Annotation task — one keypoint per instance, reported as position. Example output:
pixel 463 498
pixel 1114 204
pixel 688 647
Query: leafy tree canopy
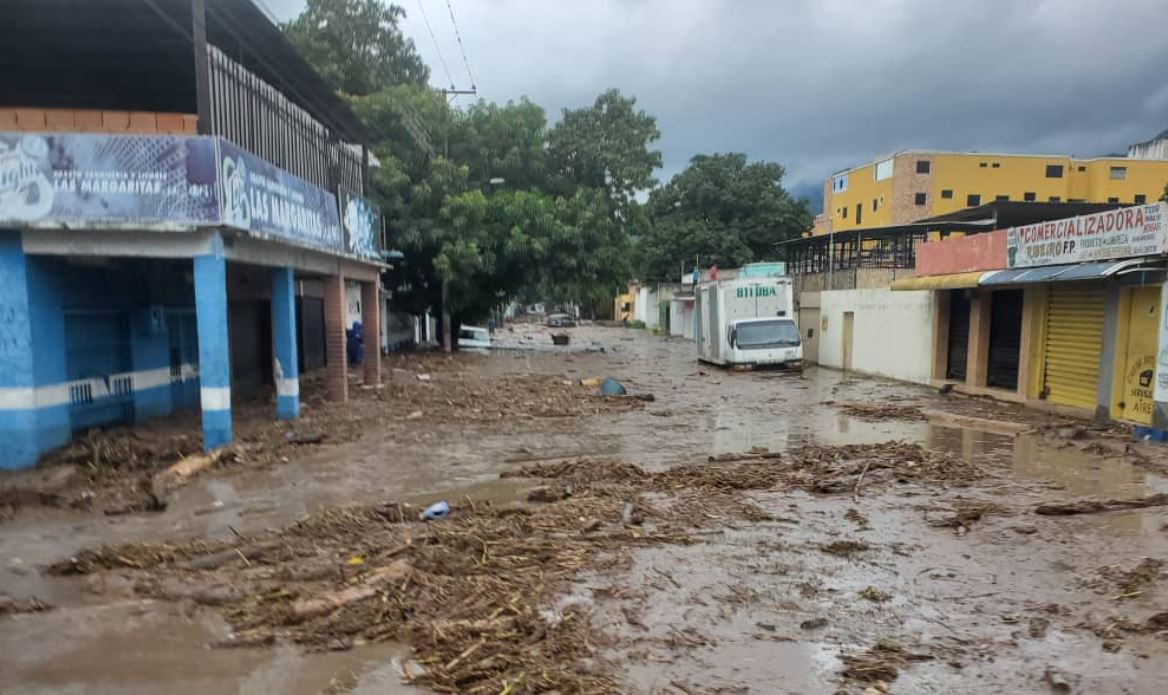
pixel 720 209
pixel 606 147
pixel 357 45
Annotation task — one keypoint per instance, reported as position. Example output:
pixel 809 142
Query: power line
pixel 461 47
pixel 441 58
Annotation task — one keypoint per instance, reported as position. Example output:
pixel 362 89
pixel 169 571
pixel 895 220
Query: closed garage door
pixel 1074 339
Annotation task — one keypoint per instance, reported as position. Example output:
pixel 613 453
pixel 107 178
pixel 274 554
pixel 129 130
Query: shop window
pixel 919 199
pixel 973 199
pixel 1054 171
pixel 1118 173
pixel 923 166
pixel 947 193
pixel 1141 199
pixel 1029 196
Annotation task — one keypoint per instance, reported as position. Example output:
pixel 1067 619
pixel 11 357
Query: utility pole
pixel 447 343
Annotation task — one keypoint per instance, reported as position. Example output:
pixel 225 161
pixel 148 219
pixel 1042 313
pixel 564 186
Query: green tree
pixel 722 210
pixel 357 45
pixel 607 147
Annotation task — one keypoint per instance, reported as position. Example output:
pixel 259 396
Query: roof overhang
pixel 1098 270
pixel 952 281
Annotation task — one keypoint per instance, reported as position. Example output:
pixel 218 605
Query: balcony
pixel 163 72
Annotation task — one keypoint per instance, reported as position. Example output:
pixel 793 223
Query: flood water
pixel 969 596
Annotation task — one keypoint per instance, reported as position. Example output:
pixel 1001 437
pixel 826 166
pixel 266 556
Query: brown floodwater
pixel 725 612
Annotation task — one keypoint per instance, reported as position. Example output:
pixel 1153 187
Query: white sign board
pixel 1120 233
pixel 1160 391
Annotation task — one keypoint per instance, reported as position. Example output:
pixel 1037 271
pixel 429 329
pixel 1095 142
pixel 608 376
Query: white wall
pixel 893 332
pixel 352 303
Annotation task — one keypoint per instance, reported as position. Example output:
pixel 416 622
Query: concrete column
pixel 18 421
pixel 977 366
pixel 337 378
pixel 940 334
pixel 214 351
pixel 1108 372
pixel 285 365
pixel 371 325
pixel 1029 341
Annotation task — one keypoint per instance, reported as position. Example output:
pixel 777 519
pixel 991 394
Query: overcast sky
pixel 819 85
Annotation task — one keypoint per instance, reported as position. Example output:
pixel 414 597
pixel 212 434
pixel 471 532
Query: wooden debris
pixel 1100 506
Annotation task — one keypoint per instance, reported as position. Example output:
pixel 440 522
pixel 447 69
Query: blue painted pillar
pixel 284 365
pixel 214 354
pixel 18 418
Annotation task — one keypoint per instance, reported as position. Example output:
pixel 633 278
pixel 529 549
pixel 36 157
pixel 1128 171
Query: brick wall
pixel 963 254
pixel 906 183
pixel 371 325
pixel 337 377
pixel 82 120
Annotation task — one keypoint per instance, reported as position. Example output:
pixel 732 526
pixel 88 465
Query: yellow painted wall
pixel 1014 176
pixel 863 188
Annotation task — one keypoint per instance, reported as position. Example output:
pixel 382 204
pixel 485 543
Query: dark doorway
pixel 1005 339
pixel 250 335
pixel 958 349
pixel 310 320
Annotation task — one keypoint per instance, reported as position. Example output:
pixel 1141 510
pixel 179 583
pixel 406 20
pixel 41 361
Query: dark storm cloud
pixel 819 85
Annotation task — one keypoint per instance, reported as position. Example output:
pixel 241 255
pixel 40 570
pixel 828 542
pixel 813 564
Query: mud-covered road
pixel 741 532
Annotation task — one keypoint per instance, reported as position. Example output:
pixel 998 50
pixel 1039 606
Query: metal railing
pixel 261 119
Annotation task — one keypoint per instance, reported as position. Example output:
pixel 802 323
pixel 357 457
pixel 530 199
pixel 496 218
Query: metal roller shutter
pixel 1005 339
pixel 1074 339
pixel 958 347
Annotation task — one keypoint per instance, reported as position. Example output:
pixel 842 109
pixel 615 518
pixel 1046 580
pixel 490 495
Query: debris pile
pixel 477 594
pixel 877 412
pixel 12 606
pixel 880 663
pixel 111 471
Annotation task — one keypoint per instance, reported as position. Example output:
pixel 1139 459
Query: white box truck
pixel 747 322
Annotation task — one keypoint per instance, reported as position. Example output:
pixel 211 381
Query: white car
pixel 474 337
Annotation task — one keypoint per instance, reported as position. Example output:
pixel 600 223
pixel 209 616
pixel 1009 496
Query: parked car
pixel 474 337
pixel 561 321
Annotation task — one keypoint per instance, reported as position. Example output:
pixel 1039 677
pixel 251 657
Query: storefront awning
pixel 953 281
pixel 1061 273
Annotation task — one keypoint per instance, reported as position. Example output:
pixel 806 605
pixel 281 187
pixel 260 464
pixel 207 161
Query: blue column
pixel 214 354
pixel 18 421
pixel 284 366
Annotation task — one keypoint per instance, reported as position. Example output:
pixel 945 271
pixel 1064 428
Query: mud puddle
pixel 135 646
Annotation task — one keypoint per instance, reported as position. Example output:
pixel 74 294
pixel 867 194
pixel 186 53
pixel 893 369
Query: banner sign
pixel 72 179
pixel 261 197
pixel 362 224
pixel 1120 233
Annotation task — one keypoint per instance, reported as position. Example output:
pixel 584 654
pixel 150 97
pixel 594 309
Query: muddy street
pixel 713 531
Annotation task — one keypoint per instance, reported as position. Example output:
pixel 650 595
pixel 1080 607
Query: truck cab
pixel 764 341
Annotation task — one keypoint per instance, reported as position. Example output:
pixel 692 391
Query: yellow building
pixel 917 184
